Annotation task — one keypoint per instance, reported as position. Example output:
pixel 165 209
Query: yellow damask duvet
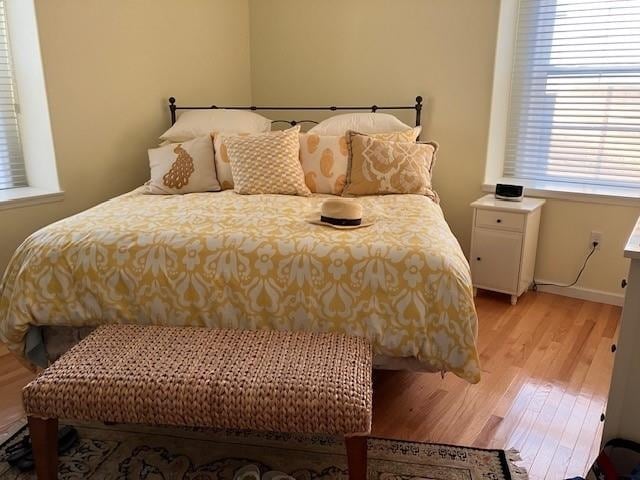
pixel 236 261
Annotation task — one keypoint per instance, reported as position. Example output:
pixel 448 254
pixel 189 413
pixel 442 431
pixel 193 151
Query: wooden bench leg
pixel 356 457
pixel 44 441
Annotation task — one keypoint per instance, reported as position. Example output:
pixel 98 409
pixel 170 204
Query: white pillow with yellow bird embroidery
pixel 186 167
pixel 325 158
pixel 267 163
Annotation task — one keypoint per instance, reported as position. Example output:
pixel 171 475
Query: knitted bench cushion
pixel 260 380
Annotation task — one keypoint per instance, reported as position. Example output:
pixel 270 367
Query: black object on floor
pixel 20 455
pixel 619 459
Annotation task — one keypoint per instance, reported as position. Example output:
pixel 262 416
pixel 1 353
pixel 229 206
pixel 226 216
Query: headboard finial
pixel 418 108
pixel 172 109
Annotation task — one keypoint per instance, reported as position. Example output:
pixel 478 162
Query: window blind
pixel 12 171
pixel 574 112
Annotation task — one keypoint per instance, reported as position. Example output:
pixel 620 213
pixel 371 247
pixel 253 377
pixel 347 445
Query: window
pixel 574 109
pixel 12 168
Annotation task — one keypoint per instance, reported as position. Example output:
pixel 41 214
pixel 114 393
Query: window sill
pixel 572 191
pixel 26 196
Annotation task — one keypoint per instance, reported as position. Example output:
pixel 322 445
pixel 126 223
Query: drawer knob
pixel 623 283
pixel 499 220
pixel 478 258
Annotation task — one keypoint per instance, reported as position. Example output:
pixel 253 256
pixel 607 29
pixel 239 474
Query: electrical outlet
pixel 596 237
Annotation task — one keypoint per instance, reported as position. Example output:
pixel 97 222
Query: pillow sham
pixel 196 123
pixel 267 163
pixel 183 168
pixel 325 158
pixel 381 166
pixel 221 158
pixel 359 122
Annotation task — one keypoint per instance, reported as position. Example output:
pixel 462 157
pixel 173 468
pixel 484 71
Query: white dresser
pixel 504 241
pixel 623 408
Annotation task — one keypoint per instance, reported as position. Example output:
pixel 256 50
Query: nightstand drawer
pixel 501 220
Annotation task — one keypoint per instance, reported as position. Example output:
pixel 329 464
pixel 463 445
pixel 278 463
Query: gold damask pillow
pixel 267 163
pixel 185 167
pixel 380 166
pixel 325 158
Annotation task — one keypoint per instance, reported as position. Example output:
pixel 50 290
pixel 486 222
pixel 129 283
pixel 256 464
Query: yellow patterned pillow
pixel 380 166
pixel 223 167
pixel 324 158
pixel 267 163
pixel 183 168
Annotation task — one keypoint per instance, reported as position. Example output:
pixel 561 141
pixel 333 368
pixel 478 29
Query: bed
pixel 253 262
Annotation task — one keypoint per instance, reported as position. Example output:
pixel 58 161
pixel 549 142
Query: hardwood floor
pixel 13 376
pixel 546 369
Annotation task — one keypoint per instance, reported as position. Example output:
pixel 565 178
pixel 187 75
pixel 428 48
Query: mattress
pixel 225 260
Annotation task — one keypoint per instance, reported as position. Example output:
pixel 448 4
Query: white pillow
pixel 359 122
pixel 197 123
pixel 185 167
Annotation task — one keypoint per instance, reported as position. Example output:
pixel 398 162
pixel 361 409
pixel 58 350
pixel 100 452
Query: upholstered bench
pixel 296 382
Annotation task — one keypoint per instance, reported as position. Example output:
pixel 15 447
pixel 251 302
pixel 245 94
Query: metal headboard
pixel 173 108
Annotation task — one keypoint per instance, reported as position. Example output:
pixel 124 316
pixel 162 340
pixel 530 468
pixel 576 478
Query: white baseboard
pixel 582 293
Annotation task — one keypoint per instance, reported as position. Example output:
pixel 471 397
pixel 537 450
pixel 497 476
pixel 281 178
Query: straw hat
pixel 342 214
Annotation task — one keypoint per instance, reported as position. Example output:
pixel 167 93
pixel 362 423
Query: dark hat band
pixel 343 222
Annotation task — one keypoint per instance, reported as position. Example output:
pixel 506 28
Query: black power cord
pixel 594 246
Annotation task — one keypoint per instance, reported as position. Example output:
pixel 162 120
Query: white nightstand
pixel 504 241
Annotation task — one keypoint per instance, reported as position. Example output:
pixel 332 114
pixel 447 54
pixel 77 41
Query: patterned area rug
pixel 125 452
